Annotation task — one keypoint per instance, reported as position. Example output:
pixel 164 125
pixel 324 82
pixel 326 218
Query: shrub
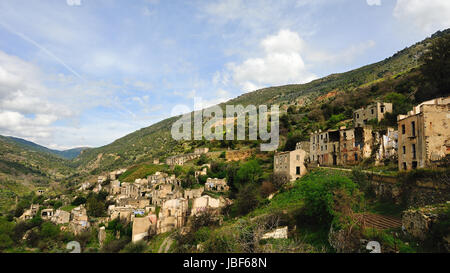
pixel 138 247
pixel 318 189
pixel 247 199
pixel 267 188
pixel 49 230
pixel 249 172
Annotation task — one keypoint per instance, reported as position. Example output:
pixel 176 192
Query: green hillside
pixel 67 154
pixel 358 86
pixel 23 170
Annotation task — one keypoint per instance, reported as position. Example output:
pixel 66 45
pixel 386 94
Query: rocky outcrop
pixel 420 222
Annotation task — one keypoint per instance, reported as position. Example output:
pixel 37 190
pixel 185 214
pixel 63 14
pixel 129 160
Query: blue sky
pixel 86 72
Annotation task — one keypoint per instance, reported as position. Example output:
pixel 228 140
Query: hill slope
pixel 67 154
pixel 23 170
pixel 155 141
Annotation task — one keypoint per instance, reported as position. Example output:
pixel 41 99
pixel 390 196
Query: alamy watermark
pixel 191 126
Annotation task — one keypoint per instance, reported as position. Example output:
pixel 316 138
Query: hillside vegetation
pixel 315 103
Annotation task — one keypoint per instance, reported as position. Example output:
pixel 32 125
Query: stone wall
pixel 421 192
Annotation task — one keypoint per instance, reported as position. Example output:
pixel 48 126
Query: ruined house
pixel 123 213
pixel 204 171
pixel 181 159
pixel 129 190
pixel 291 164
pixel 424 135
pixel 191 194
pixel 216 185
pixel 373 111
pixel 114 187
pixel 61 217
pixel 388 146
pixel 201 150
pixel 205 203
pixel 80 221
pixel 143 227
pixel 356 144
pixel 345 146
pixel 173 215
pixel 324 147
pixel 30 213
pixel 47 214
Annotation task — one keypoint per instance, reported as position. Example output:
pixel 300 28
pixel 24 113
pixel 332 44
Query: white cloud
pixel 428 16
pixel 282 63
pixel 374 2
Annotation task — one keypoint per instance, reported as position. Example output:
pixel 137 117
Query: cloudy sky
pixel 86 72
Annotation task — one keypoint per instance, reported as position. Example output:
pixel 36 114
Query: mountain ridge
pixel 155 141
pixel 66 154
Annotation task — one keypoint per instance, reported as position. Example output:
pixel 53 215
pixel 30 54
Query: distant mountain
pixel 25 167
pixel 66 154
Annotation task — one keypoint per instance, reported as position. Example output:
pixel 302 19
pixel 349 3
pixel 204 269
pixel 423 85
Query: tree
pixel 79 201
pixel 49 230
pixel 202 160
pixel 318 194
pixel 95 207
pixel 247 199
pixel 279 180
pixel 249 172
pixel 292 141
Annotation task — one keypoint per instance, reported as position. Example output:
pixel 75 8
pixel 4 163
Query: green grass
pixel 68 208
pixel 385 208
pixel 141 171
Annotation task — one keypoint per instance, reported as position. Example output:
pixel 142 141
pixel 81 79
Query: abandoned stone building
pixel 201 150
pixel 129 190
pixel 181 159
pixel 173 215
pixel 143 227
pixel 324 147
pixel 373 111
pixel 204 171
pixel 30 213
pixel 61 217
pixel 291 164
pixel 216 185
pixel 114 187
pixel 388 146
pixel 80 220
pixel 191 194
pixel 356 144
pixel 424 135
pixel 47 214
pixel 205 203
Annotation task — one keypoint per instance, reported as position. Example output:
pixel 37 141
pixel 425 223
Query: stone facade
pixel 143 227
pixel 424 135
pixel 191 194
pixel 373 111
pixel 181 159
pixel 216 185
pixel 341 147
pixel 61 217
pixel 291 164
pixel 419 222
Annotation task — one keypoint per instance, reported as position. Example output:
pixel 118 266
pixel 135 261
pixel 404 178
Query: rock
pixel 279 233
